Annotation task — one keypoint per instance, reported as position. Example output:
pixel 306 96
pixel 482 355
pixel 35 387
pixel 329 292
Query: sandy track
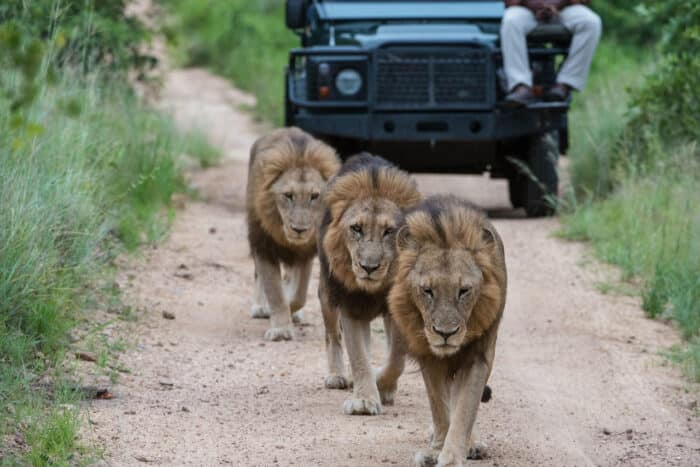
pixel 206 389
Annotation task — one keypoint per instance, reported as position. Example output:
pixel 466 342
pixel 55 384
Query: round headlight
pixel 348 82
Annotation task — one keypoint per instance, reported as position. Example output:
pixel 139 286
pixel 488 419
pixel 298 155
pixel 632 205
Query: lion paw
pixel 448 459
pixel 336 382
pixel 387 388
pixel 298 317
pixel 425 458
pixel 478 451
pixel 259 312
pixel 362 407
pixel 279 334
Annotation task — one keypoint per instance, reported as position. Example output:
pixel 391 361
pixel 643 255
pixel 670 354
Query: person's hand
pixel 547 12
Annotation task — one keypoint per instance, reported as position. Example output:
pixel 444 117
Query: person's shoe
pixel 558 93
pixel 521 96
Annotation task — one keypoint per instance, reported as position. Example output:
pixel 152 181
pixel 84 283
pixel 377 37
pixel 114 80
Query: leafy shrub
pixel 84 33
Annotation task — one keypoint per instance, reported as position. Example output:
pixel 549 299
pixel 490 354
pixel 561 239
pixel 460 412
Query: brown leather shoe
pixel 520 96
pixel 558 93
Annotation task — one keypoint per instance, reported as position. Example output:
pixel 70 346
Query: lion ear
pixel 488 236
pixel 404 240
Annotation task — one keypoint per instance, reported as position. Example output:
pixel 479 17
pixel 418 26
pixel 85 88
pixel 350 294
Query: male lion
pixel 287 172
pixel 365 206
pixel 447 300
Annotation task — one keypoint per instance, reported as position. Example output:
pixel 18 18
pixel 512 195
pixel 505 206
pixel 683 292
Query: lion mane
pixel 363 176
pixel 449 223
pixel 271 156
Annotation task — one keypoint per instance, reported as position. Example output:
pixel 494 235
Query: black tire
pixel 517 189
pixel 535 186
pixel 296 14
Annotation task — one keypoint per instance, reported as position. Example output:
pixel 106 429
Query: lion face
pixel 445 285
pixel 370 227
pixel 297 195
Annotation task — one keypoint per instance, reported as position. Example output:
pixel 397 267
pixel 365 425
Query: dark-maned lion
pixel 287 173
pixel 447 300
pixel 365 205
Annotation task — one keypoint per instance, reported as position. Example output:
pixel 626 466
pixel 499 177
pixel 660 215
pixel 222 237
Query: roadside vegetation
pixel 635 167
pixel 86 172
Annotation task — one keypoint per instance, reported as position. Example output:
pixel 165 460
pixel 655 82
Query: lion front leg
pixel 388 376
pixel 295 288
pixel 280 318
pixel 260 309
pixel 466 391
pixel 435 379
pixel 365 400
pixel 334 348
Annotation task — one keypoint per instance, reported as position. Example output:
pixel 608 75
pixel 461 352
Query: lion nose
pixel 299 230
pixel 369 269
pixel 446 334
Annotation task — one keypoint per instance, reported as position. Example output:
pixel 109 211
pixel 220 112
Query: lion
pixel 447 301
pixel 365 205
pixel 287 172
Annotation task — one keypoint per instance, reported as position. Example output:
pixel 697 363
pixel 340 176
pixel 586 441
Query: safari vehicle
pixel 421 83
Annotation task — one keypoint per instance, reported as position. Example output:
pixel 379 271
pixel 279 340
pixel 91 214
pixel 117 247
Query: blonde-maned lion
pixel 287 173
pixel 365 205
pixel 447 300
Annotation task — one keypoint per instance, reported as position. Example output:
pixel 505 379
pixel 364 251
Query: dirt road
pixel 577 379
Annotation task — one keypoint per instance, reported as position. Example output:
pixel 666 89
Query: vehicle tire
pixel 537 190
pixel 517 189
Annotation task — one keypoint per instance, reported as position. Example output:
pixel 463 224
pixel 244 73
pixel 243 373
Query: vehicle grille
pixel 447 77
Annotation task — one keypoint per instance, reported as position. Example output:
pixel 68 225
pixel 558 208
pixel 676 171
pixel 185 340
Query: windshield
pixel 359 10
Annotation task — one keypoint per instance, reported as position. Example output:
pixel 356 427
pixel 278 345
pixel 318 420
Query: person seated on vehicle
pixel 521 17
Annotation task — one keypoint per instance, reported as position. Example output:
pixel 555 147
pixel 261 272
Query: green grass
pixel 244 41
pixel 86 171
pixel 598 116
pixel 643 217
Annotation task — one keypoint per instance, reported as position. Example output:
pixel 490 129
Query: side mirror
pixel 296 14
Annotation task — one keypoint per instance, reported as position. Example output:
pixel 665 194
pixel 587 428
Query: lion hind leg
pixel 296 285
pixel 388 376
pixel 280 318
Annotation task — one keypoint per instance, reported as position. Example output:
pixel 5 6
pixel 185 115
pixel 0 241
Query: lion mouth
pixel 444 348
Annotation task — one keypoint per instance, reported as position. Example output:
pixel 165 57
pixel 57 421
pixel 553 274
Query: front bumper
pixel 496 125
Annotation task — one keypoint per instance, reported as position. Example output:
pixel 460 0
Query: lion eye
pixel 289 196
pixel 356 228
pixel 428 292
pixel 389 231
pixel 314 196
pixel 464 291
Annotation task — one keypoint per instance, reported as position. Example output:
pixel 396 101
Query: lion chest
pixel 356 304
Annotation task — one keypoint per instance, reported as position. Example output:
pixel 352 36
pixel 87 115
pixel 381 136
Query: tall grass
pixel 636 195
pixel 91 173
pixel 598 116
pixel 242 40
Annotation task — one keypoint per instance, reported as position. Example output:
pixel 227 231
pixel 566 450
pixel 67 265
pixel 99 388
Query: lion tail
pixel 486 395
